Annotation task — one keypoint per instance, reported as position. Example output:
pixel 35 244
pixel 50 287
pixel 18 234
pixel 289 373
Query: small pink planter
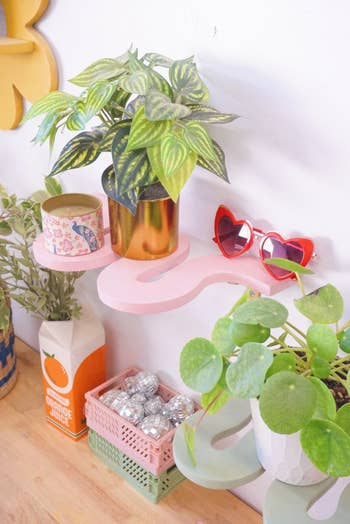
pixel 72 224
pixel 154 455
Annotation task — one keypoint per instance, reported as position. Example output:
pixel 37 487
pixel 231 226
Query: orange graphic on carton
pixel 73 362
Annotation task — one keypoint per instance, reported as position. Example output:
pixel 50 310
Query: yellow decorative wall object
pixel 27 66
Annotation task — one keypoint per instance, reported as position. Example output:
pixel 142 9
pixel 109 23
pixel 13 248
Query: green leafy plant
pixel 48 294
pixel 256 352
pixel 4 307
pixel 153 125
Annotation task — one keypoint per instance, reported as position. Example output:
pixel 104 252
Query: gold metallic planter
pixel 149 234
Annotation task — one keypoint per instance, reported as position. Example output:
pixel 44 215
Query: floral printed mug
pixel 72 224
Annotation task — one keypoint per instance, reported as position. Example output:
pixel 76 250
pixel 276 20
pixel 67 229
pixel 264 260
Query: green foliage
pixel 200 365
pixel 287 402
pixel 164 117
pixel 245 377
pixel 344 340
pixel 288 373
pixel 289 265
pixel 328 447
pixel 222 335
pixel 48 294
pixel 324 305
pixel 322 341
pixel 264 311
pixel 189 433
pixel 4 307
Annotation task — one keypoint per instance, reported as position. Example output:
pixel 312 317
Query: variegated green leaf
pixel 173 153
pixel 159 107
pixel 135 104
pixel 198 139
pixel 118 100
pixel 157 81
pixel 119 133
pixel 186 81
pixel 176 182
pixel 97 97
pixel 138 83
pixel 209 115
pixel 110 187
pixel 82 150
pixel 53 187
pixel 100 70
pixel 145 133
pixel 132 170
pixel 77 120
pixel 51 103
pixel 48 123
pixel 155 59
pixel 216 166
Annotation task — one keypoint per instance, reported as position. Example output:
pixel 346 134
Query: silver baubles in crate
pixel 132 411
pixel 153 405
pixel 155 426
pixel 179 408
pixel 112 397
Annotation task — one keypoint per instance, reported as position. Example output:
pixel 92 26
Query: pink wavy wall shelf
pixel 160 285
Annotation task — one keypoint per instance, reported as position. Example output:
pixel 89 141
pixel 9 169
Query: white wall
pixel 282 66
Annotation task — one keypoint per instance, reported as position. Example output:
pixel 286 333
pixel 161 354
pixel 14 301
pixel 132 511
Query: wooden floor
pixel 47 478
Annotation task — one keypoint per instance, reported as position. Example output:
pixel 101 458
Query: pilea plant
pixel 47 294
pixel 301 382
pixel 152 125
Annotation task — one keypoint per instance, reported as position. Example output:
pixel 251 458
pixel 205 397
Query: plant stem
pixel 301 285
pixel 297 339
pixel 346 325
pixel 297 330
pixel 207 409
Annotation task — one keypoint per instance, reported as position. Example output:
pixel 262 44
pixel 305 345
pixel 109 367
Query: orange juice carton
pixel 73 362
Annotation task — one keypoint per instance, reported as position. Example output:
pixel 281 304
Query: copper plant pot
pixel 149 234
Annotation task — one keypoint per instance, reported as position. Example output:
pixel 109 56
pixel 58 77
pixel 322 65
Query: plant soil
pixel 338 391
pixel 154 192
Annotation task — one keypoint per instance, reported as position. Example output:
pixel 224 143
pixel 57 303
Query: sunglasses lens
pixel 290 251
pixel 232 237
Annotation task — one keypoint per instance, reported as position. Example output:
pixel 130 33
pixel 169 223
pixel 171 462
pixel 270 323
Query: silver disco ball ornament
pixel 111 395
pixel 147 383
pixel 179 408
pixel 155 426
pixel 153 405
pixel 139 397
pixel 131 411
pixel 119 399
pixel 131 385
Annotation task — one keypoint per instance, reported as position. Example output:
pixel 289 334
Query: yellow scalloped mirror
pixel 27 65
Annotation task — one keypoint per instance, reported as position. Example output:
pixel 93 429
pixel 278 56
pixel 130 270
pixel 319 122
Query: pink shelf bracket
pixel 161 285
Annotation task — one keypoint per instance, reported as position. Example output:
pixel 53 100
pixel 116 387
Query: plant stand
pixel 237 465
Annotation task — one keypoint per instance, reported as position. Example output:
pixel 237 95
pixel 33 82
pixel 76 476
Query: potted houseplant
pixel 8 368
pixel 153 126
pixel 71 338
pixel 298 384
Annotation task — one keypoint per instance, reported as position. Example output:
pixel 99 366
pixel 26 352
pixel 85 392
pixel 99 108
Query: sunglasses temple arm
pixel 215 240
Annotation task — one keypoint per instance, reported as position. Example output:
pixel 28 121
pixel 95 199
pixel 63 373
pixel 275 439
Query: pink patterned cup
pixel 72 224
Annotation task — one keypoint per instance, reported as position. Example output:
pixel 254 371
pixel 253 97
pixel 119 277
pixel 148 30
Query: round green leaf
pixel 289 265
pixel 200 365
pixel 243 333
pixel 222 335
pixel 320 367
pixel 325 403
pixel 322 341
pixel 281 362
pixel 287 402
pixel 324 305
pixel 344 340
pixel 246 375
pixel 264 311
pixel 343 418
pixel 328 447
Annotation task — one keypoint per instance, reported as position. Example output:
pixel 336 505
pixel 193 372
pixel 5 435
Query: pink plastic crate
pixel 154 455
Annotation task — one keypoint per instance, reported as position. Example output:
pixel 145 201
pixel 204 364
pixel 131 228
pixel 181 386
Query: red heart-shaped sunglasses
pixel 234 237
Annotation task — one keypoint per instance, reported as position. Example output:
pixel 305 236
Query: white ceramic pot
pixel 282 455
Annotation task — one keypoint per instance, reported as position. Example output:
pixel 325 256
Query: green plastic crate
pixel 151 486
